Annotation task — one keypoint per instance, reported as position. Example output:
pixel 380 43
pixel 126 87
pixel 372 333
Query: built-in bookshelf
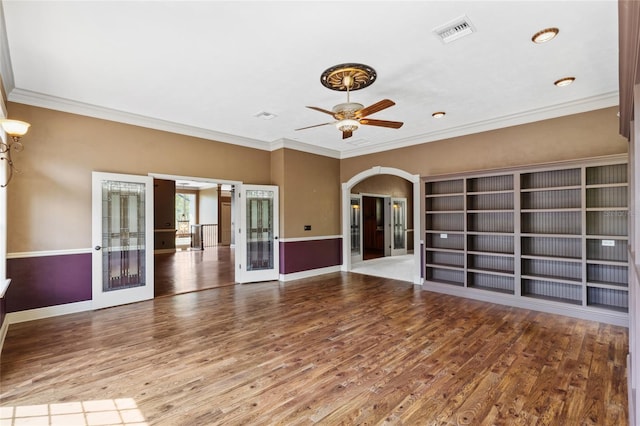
pixel 551 235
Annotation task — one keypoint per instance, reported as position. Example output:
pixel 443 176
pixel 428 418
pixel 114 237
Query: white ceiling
pixel 207 68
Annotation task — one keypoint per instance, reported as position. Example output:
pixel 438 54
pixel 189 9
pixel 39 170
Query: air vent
pixel 265 115
pixel 453 30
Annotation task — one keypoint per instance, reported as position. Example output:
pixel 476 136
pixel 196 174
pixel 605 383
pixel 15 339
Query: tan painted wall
pixel 277 178
pixel 394 186
pixel 589 134
pixel 311 187
pixel 49 203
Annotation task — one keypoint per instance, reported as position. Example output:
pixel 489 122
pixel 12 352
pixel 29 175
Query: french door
pixel 398 226
pixel 356 228
pixel 258 256
pixel 122 234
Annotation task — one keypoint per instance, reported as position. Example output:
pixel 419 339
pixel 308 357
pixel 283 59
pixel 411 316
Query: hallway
pixel 394 267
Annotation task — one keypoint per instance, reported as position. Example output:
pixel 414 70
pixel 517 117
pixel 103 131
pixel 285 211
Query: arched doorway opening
pixel 346 216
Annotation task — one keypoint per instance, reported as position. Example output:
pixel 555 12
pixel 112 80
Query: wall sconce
pixel 14 129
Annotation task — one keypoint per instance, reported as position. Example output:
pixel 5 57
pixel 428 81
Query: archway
pixel 346 194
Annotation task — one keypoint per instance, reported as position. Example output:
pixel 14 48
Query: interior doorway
pixel 373 219
pixel 197 216
pixel 225 219
pixel 404 210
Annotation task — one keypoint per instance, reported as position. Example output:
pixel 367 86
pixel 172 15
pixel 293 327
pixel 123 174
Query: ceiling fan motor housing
pixel 346 110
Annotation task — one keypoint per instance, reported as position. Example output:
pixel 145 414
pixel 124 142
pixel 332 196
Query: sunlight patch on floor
pixel 106 412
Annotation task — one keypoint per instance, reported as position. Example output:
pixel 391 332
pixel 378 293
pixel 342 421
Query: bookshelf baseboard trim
pixel 557 308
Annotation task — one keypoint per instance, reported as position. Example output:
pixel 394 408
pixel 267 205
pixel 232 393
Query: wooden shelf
pixel 560 259
pixel 551 188
pixel 453 194
pixel 553 279
pixel 608 285
pixel 491 272
pixel 541 229
pixel 505 191
pixel 442 266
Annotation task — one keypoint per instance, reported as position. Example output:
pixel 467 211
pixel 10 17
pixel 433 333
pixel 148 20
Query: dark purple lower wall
pixel 38 282
pixel 3 310
pixel 298 256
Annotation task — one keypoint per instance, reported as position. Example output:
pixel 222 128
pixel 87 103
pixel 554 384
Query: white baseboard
pixel 3 333
pixel 40 313
pixel 308 274
pixel 49 311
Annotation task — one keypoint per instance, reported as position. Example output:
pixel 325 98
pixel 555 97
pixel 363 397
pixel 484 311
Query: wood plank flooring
pixel 338 349
pixel 193 270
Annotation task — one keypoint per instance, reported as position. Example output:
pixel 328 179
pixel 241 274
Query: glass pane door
pixel 356 228
pixel 258 258
pixel 123 235
pixel 260 243
pixel 123 238
pixel 399 225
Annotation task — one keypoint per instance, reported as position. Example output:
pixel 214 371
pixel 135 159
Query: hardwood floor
pixel 186 271
pixel 337 349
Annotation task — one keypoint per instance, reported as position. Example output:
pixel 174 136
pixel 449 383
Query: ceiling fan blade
pixel 382 123
pixel 315 125
pixel 378 106
pixel 321 110
pixel 346 134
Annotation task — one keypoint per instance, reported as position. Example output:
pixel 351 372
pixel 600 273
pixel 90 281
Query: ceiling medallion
pixel 348 77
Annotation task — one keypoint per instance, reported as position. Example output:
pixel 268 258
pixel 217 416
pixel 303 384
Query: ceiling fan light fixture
pixel 348 125
pixel 564 81
pixel 545 35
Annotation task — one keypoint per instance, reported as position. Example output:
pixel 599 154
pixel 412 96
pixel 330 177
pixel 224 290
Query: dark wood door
pixel 373 227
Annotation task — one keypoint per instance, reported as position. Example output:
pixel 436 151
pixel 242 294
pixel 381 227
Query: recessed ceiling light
pixel 564 81
pixel 438 114
pixel 545 35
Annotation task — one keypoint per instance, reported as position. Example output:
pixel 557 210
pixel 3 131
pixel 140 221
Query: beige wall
pixel 393 186
pixel 49 203
pixel 277 178
pixel 589 134
pixel 310 193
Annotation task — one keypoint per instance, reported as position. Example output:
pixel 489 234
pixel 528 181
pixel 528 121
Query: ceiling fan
pixel 350 116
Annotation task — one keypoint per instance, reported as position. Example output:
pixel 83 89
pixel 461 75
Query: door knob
pixel 97 247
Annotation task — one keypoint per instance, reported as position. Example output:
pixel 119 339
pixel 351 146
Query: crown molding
pixel 304 147
pixel 605 100
pixel 66 105
pixel 60 104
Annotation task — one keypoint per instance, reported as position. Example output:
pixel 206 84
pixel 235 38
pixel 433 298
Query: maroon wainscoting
pixel 298 256
pixel 38 282
pixel 3 310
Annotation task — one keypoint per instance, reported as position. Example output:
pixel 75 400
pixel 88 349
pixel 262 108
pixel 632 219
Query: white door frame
pixel 235 214
pixel 357 258
pixel 394 250
pixel 242 274
pixel 346 219
pixel 99 298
